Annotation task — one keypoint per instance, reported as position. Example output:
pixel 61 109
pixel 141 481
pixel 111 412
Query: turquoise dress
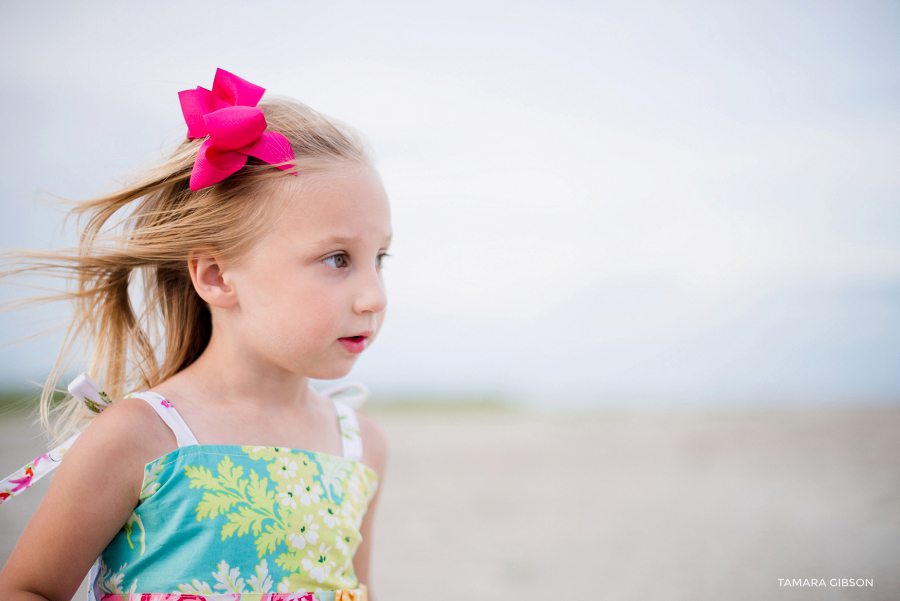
pixel 242 522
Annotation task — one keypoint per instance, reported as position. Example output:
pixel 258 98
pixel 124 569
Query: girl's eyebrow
pixel 343 240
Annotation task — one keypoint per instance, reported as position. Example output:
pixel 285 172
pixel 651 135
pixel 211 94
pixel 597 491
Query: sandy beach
pixel 503 505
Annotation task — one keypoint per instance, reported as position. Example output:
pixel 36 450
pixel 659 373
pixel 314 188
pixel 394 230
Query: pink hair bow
pixel 235 126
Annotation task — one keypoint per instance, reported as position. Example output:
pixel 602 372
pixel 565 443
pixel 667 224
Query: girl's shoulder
pixel 109 456
pixel 129 430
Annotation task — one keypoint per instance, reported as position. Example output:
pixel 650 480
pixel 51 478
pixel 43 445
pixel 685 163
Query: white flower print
pixel 316 570
pixel 312 534
pixel 285 468
pixel 328 517
pixel 288 498
pixel 309 494
pixel 340 544
pixel 308 534
pixel 317 565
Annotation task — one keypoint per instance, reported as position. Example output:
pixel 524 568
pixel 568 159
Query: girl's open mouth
pixel 354 344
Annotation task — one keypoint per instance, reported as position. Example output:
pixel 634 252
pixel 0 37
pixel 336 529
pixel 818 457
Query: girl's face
pixel 310 295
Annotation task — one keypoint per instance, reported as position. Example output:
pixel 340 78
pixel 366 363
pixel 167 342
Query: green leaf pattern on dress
pixel 304 514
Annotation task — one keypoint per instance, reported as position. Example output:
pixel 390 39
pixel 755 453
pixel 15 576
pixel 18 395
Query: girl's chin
pixel 333 372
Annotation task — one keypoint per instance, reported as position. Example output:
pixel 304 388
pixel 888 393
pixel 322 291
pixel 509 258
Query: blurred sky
pixel 595 203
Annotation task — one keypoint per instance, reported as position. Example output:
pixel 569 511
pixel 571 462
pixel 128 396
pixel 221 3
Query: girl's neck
pixel 229 374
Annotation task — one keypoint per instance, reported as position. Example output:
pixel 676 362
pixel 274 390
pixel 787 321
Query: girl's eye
pixel 336 261
pixel 341 260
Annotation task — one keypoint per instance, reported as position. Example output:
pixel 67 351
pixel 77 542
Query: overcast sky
pixel 599 203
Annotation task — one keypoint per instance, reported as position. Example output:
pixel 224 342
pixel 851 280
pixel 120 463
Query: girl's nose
pixel 371 297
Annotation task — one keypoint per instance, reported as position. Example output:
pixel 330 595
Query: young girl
pixel 259 244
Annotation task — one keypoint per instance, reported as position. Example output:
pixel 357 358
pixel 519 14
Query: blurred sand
pixel 502 505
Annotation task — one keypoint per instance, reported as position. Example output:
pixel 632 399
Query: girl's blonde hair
pixel 134 347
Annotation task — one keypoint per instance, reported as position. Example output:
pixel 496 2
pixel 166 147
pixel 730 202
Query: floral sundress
pixel 249 523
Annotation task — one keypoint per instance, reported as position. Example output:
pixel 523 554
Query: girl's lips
pixel 354 344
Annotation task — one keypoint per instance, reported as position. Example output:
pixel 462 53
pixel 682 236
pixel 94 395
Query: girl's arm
pixel 374 456
pixel 93 492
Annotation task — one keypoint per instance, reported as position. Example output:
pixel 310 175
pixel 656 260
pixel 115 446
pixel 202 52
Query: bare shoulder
pixel 130 429
pixel 374 442
pixel 114 448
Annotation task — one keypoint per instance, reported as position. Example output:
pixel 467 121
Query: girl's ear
pixel 208 277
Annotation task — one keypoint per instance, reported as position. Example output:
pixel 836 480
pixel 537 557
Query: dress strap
pixel 167 412
pixel 351 441
pixel 352 395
